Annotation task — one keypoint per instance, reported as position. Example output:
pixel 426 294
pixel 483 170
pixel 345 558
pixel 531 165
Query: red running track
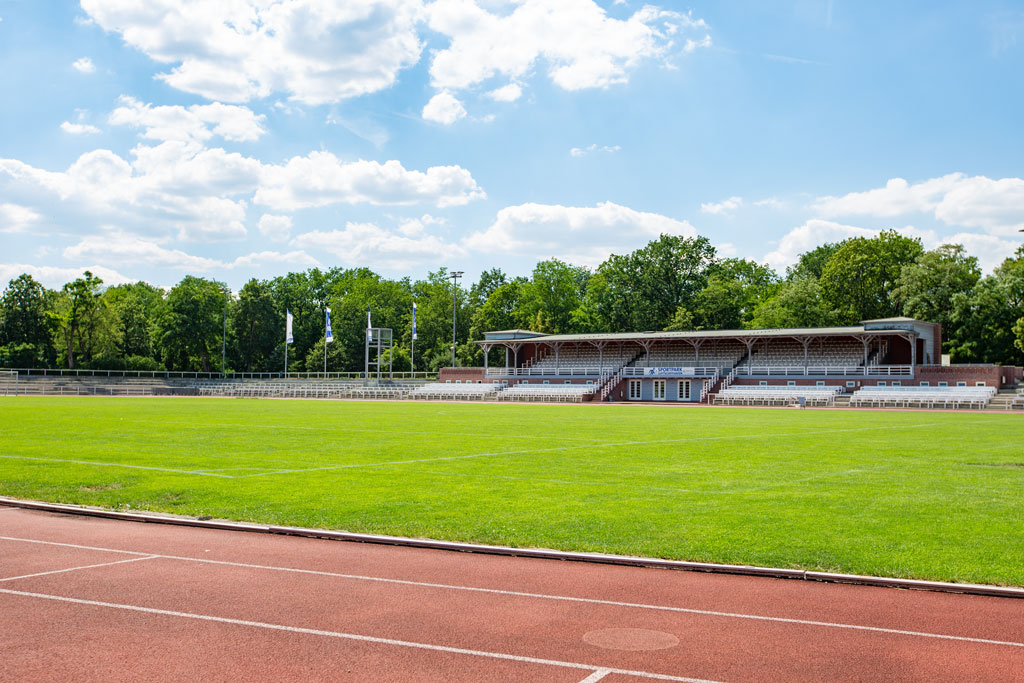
pixel 83 598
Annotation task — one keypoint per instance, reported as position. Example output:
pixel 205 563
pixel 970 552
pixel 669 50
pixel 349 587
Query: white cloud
pixel 320 179
pixel 196 123
pixel 298 258
pixel 84 65
pixel 275 228
pixel 506 93
pixel 55 277
pixel 443 108
pixel 130 249
pixel 584 235
pixel 369 244
pixel 990 250
pixel 15 218
pixel 78 128
pixel 727 206
pixel 583 151
pixel 955 199
pixel 315 51
pixel 770 203
pixel 581 45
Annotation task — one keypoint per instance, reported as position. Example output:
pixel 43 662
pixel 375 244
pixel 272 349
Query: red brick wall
pixel 992 375
pixel 471 374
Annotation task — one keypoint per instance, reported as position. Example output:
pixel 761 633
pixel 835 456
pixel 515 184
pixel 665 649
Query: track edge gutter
pixel 538 553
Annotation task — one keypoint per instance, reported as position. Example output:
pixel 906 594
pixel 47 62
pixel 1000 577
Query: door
pixel 659 389
pixel 634 390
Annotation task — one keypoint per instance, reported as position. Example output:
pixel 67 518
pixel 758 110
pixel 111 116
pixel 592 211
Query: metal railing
pixel 550 372
pixel 824 370
pixel 684 371
pixel 182 374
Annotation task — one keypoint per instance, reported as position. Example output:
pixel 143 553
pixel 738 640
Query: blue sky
pixel 150 139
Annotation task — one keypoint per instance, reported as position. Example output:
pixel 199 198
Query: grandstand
pixel 923 397
pixel 778 395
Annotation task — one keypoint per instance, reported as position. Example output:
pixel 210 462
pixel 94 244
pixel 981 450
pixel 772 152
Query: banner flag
pixel 330 336
pixel 288 328
pixel 369 324
pixel 414 320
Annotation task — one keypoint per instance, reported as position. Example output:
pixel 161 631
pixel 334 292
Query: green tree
pixel 549 298
pixel 798 303
pixel 78 315
pixel 735 288
pixel 189 329
pixel 257 327
pixel 134 309
pixel 24 322
pixel 926 288
pixel 859 276
pixel 811 264
pixel 983 322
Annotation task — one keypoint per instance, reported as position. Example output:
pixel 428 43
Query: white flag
pixel 414 320
pixel 288 328
pixel 330 336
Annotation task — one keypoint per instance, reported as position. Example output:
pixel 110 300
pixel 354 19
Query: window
pixel 568 381
pixel 447 381
pixel 659 389
pixel 980 384
pixel 684 390
pixel 791 383
pixel 547 381
pixel 961 384
pixel 851 383
pixel 925 384
pixel 881 383
pixel 897 383
pixel 525 381
pixel 763 383
pixel 590 381
pixel 943 384
pixel 820 383
pixel 634 390
pixel 458 381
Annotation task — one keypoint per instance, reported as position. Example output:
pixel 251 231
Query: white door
pixel 634 390
pixel 659 389
pixel 684 390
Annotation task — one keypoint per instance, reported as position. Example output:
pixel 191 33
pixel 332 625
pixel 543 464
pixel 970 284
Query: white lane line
pixel 354 636
pixel 559 598
pixel 596 676
pixel 116 464
pixel 75 569
pixel 589 446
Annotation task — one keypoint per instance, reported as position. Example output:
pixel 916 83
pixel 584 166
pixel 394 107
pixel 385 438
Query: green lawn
pixel 909 494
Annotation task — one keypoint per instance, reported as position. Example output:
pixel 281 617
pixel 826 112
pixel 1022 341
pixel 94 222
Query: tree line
pixel 672 283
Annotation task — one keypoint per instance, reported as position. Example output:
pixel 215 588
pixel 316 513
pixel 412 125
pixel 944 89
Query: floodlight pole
pixel 454 277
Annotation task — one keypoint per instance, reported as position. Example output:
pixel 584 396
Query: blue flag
pixel 330 336
pixel 414 320
pixel 288 328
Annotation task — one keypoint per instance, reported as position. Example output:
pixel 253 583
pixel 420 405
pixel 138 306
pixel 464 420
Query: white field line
pixel 117 464
pixel 596 676
pixel 543 596
pixel 75 569
pixel 354 636
pixel 760 435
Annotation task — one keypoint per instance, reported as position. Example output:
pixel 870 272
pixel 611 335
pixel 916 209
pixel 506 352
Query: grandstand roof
pixel 900 326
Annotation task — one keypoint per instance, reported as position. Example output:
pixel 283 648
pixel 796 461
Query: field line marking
pixel 596 676
pixel 544 596
pixel 353 636
pixel 117 464
pixel 589 445
pixel 75 569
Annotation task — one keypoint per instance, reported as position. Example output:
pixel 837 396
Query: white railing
pixel 610 383
pixel 826 370
pixel 705 387
pixel 549 372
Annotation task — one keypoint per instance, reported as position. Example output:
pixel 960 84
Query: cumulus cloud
pixel 584 235
pixel 78 128
pixel 580 44
pixel 320 179
pixel 316 52
pixel 55 277
pixel 275 228
pixel 84 65
pixel 506 93
pixel 955 199
pixel 727 206
pixel 130 249
pixel 196 123
pixel 583 151
pixel 770 203
pixel 15 218
pixel 362 243
pixel 444 108
pixel 297 258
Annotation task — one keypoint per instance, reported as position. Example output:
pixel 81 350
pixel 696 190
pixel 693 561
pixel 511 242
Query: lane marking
pixel 596 676
pixel 355 636
pixel 75 569
pixel 589 446
pixel 544 596
pixel 117 464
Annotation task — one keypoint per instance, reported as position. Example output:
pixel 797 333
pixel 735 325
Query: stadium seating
pixel 584 357
pixel 777 395
pixel 445 391
pixel 559 393
pixel 722 355
pixel 922 397
pixel 785 353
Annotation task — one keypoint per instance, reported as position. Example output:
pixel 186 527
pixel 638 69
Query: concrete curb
pixel 540 553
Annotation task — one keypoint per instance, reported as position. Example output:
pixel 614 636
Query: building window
pixel 568 381
pixel 925 384
pixel 684 390
pixel 851 383
pixel 590 381
pixel 897 383
pixel 791 383
pixel 447 381
pixel 881 383
pixel 634 390
pixel 980 384
pixel 961 384
pixel 659 389
pixel 943 384
pixel 547 381
pixel 763 383
pixel 820 383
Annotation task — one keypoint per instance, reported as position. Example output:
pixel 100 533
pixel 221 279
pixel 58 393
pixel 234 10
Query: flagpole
pixel 412 347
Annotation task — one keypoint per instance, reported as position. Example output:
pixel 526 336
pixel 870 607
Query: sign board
pixel 670 372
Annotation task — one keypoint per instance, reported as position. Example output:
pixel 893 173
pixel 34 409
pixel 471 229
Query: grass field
pixel 908 494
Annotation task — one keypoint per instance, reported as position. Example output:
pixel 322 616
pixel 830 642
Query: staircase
pixel 1008 399
pixel 609 385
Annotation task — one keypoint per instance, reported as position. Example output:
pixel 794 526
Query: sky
pixel 153 139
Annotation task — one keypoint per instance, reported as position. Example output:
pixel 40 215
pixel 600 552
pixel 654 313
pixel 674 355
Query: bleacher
pixel 777 395
pixel 922 397
pixel 722 355
pixel 331 389
pixel 583 358
pixel 559 393
pixel 446 391
pixel 788 353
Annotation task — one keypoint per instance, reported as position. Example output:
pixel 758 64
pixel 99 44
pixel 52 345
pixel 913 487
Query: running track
pixel 83 598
